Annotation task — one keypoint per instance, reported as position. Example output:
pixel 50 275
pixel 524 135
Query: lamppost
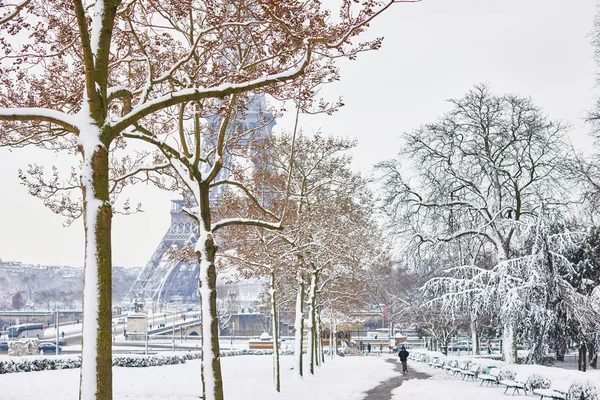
pixel 56 325
pixel 146 334
pixel 231 337
pixel 173 339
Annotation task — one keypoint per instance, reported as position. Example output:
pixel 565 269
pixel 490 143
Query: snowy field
pixel 245 377
pixel 249 378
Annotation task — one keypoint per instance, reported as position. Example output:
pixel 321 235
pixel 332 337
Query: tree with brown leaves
pixel 81 75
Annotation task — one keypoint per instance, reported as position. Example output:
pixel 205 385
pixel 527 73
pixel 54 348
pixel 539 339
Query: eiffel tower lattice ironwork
pixel 165 279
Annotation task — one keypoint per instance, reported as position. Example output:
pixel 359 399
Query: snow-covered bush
pixel 38 364
pixel 506 374
pixel 582 391
pixel 538 382
pixel 148 361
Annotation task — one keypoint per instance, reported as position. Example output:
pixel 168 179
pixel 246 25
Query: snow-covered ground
pixel 249 378
pixel 448 387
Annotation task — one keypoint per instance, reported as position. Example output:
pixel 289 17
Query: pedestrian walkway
pixel 384 390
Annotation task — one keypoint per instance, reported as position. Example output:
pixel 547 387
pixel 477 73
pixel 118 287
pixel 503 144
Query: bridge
pixel 191 328
pixel 47 317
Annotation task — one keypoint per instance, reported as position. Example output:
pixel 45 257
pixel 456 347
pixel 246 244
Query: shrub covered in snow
pixel 135 360
pixel 538 382
pixel 582 391
pixel 506 374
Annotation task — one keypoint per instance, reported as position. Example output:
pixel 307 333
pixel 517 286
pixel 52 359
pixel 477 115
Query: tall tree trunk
pixel 313 321
pixel 475 335
pixel 212 382
pixel 320 339
pixel 332 341
pixel 95 379
pixel 509 344
pixel 299 326
pixel 274 318
pixel 592 355
pixel 582 357
pixel 210 366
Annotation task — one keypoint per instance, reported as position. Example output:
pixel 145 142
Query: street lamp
pixel 146 332
pixel 56 325
pixel 173 339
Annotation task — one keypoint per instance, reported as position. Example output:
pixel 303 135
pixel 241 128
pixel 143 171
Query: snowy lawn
pixel 249 378
pixel 245 377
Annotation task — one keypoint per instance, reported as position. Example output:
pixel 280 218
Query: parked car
pixel 3 345
pixel 462 345
pixel 48 347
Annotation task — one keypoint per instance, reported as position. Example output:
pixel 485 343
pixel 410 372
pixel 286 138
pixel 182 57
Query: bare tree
pixel 488 163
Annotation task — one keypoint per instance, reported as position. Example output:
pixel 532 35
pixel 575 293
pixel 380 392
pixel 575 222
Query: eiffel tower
pixel 165 279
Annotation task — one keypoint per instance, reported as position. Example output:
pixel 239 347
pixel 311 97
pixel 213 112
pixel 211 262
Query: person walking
pixel 403 354
pixel 368 347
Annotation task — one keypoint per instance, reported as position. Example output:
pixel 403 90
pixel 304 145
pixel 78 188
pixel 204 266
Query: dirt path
pixel 384 390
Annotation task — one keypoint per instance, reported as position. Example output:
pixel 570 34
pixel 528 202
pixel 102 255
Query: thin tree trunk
pixel 276 380
pixel 299 326
pixel 313 321
pixel 95 379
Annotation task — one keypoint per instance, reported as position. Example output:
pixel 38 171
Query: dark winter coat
pixel 403 354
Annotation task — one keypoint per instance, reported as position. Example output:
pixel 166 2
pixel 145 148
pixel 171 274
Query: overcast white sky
pixel 433 51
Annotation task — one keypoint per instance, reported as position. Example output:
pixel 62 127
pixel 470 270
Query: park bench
pixel 558 390
pixel 440 363
pixel 471 372
pixel 450 365
pixel 460 368
pixel 492 376
pixel 433 361
pixel 519 383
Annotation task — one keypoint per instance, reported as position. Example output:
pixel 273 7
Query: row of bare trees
pixel 314 265
pixel 102 79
